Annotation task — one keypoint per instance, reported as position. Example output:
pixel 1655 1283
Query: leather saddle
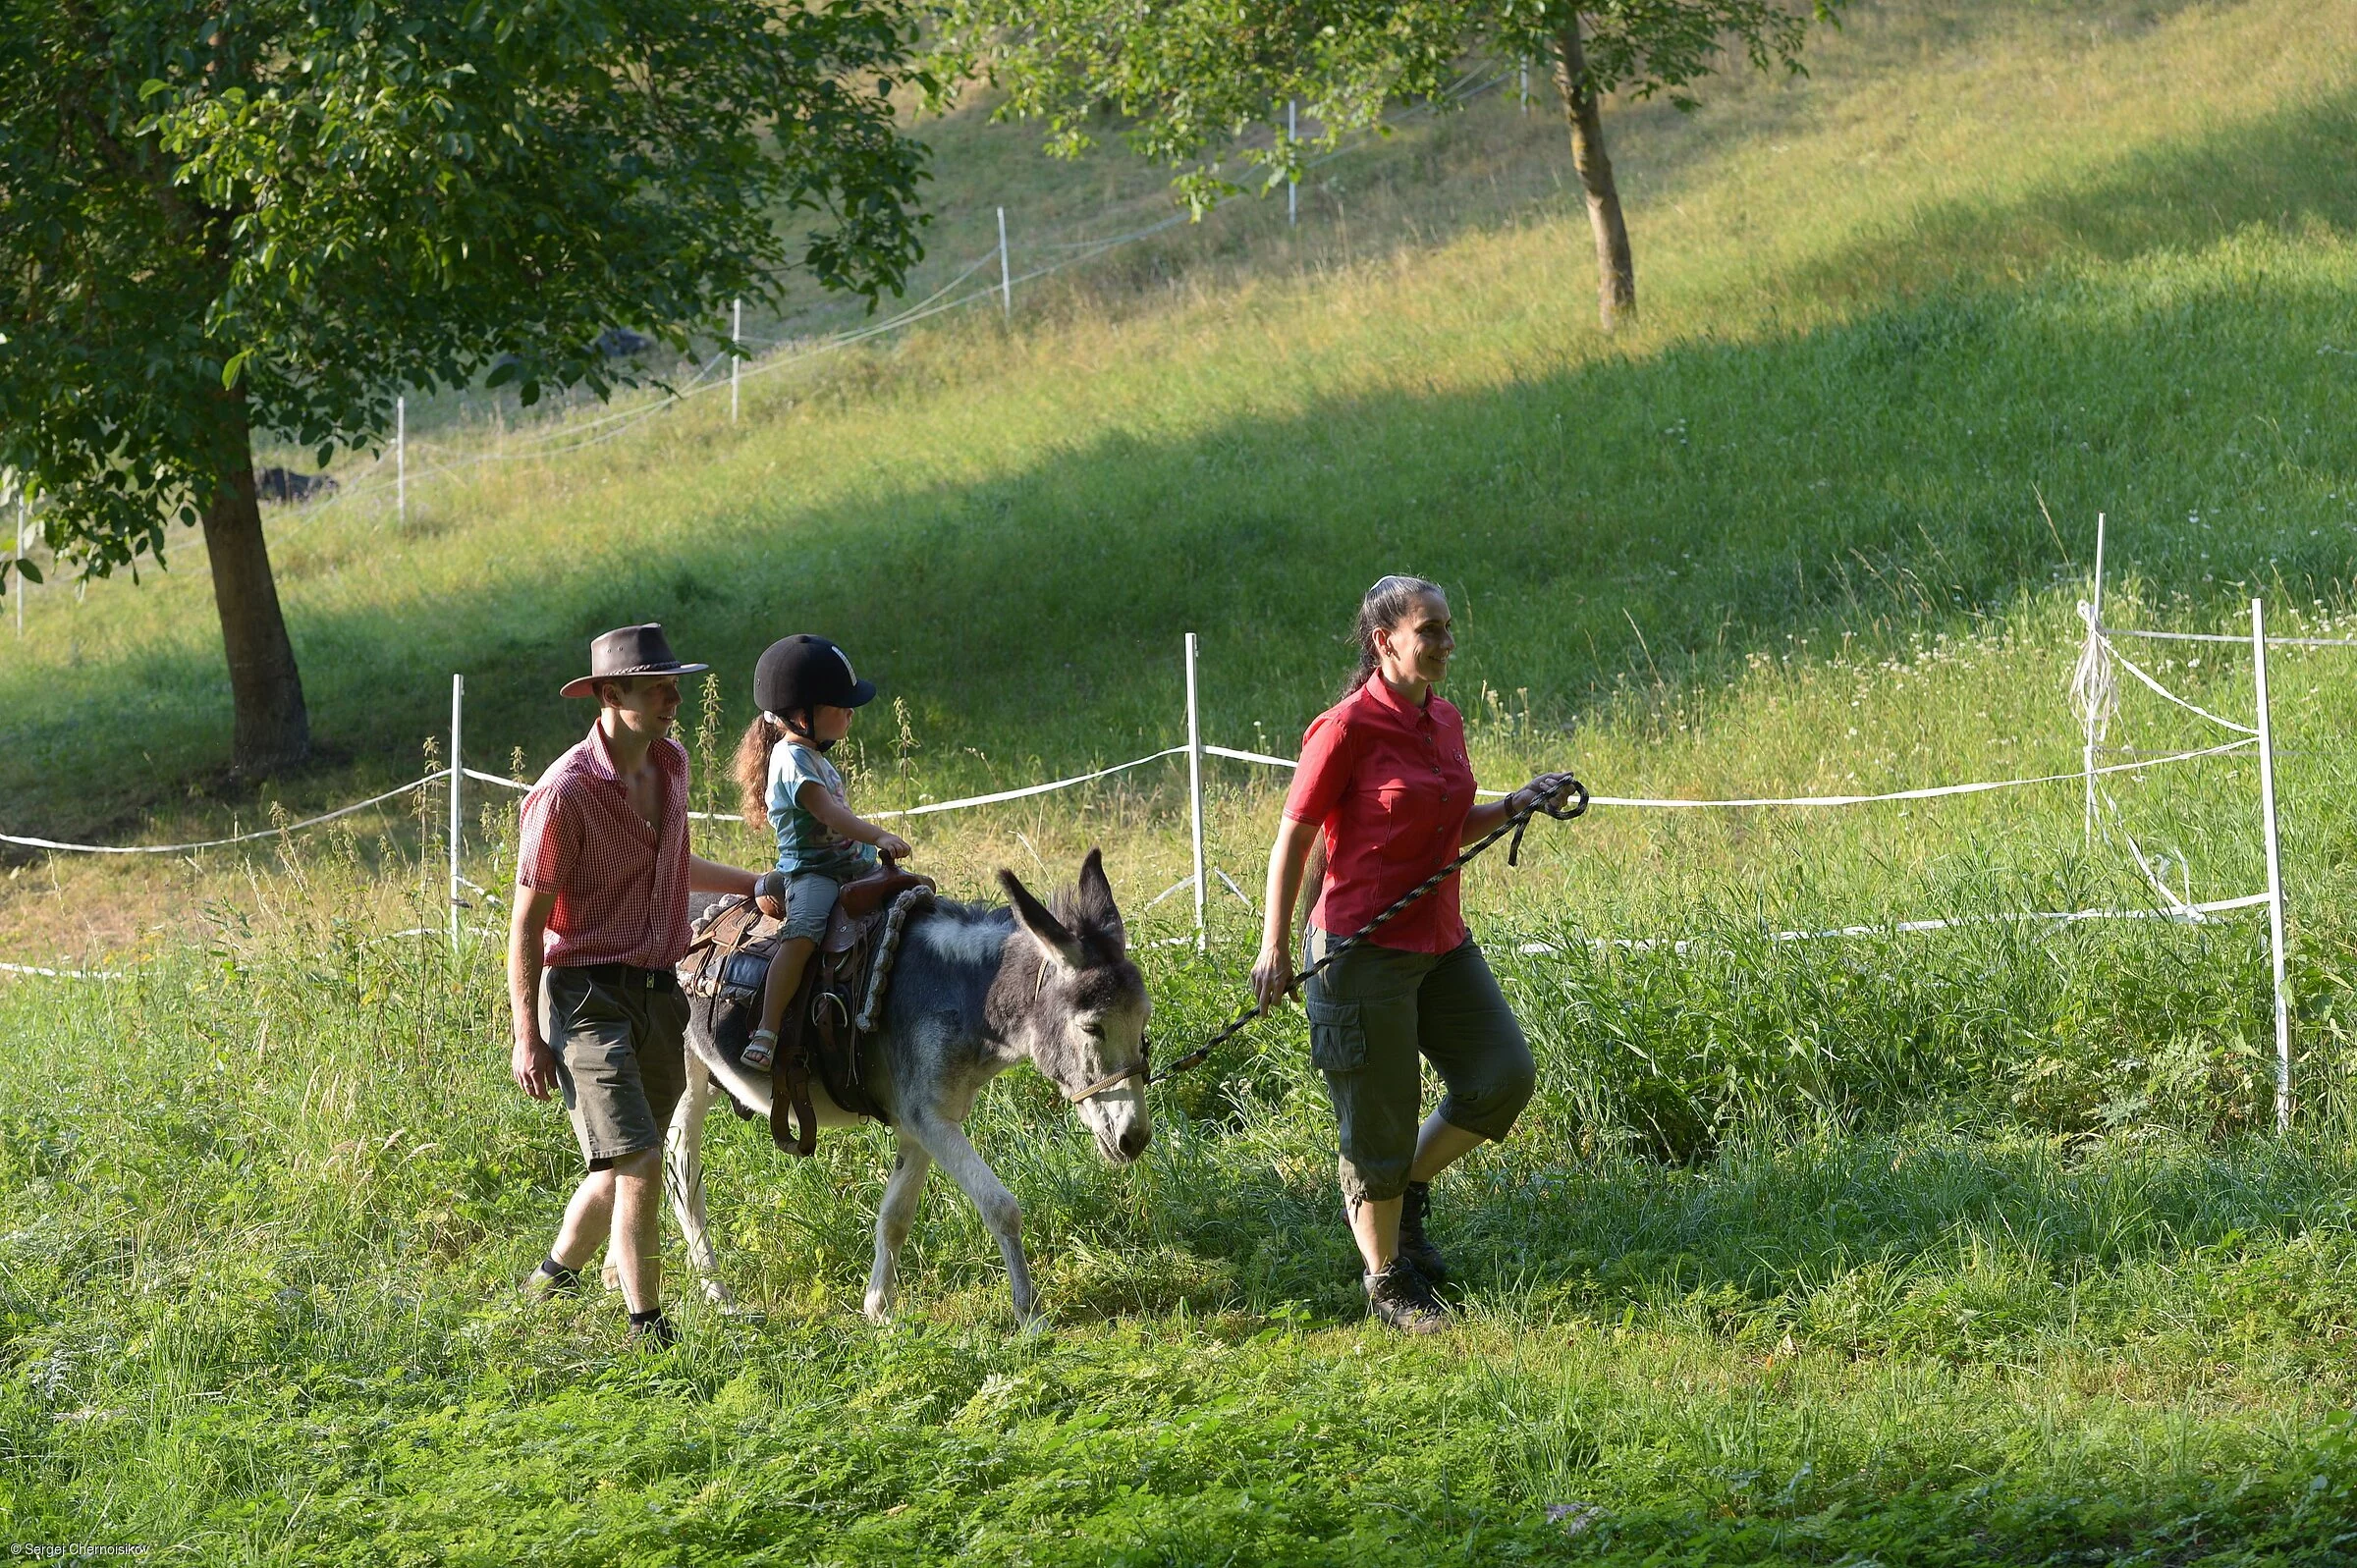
pixel 728 961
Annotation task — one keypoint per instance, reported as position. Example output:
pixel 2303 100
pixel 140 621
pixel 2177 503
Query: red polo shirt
pixel 1390 784
pixel 621 886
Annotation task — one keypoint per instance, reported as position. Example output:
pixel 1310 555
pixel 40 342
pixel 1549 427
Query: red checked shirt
pixel 1390 784
pixel 621 886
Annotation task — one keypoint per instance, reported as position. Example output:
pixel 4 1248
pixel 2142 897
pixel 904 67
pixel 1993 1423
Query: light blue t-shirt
pixel 805 843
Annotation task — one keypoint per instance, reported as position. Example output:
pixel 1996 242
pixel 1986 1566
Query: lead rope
pixel 1513 824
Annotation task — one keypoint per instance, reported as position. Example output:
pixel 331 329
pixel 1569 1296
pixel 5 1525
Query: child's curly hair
pixel 761 737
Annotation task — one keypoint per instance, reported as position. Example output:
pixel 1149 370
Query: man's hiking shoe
pixel 1415 1245
pixel 551 1280
pixel 1403 1299
pixel 652 1331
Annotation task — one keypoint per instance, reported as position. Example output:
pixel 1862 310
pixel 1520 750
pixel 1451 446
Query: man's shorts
pixel 620 1039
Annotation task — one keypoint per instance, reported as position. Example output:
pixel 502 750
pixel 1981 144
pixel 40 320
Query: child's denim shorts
pixel 809 901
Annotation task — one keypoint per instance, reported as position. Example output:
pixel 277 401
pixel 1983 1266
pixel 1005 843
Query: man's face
pixel 644 705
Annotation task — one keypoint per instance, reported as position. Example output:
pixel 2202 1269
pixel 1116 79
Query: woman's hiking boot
pixel 1403 1299
pixel 652 1331
pixel 1415 1246
pixel 551 1280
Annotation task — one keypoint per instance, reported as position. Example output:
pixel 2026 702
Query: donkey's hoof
pixel 611 1275
pixel 718 1294
pixel 877 1309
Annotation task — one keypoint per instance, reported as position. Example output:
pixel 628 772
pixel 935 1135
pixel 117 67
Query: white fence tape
pixel 2189 914
pixel 1053 785
pixel 2166 695
pixel 2240 642
pixel 218 844
pixel 930 807
pixel 58 974
pixel 1929 792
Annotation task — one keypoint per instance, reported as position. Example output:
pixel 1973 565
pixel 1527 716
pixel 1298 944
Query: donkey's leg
pixel 902 1193
pixel 684 1174
pixel 946 1142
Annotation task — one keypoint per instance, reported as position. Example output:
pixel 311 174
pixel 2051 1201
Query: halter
pixel 1138 1070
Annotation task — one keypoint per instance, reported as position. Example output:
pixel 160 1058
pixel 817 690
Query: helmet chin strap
pixel 822 748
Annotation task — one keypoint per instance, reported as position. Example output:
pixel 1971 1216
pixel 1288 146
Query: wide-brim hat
pixel 629 651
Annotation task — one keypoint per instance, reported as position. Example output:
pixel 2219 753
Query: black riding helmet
pixel 800 673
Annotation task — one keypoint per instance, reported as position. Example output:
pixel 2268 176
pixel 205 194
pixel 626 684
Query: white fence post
pixel 1006 272
pixel 458 777
pixel 736 335
pixel 2094 628
pixel 1194 790
pixel 2275 868
pixel 401 456
pixel 1525 87
pixel 1292 186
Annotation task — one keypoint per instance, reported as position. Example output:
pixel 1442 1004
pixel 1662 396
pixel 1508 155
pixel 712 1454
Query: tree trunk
pixel 273 727
pixel 1616 274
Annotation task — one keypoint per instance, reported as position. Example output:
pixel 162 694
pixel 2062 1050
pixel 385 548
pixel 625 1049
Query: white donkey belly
pixel 752 1090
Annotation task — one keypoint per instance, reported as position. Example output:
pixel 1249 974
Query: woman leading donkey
pixel 1384 780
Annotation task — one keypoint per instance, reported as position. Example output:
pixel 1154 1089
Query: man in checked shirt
pixel 602 878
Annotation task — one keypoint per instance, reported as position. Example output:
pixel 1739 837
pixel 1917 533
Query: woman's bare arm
pixel 1273 972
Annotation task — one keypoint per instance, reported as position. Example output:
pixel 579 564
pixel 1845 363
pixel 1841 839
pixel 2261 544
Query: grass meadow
pixel 1974 1246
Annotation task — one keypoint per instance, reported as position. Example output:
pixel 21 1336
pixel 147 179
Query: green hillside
pixel 1973 1246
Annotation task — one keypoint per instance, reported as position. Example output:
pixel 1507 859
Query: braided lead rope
pixel 1515 825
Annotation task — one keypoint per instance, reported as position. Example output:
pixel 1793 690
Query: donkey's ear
pixel 1045 929
pixel 1097 910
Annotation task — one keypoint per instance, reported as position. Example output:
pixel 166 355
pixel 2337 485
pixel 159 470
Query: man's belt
pixel 630 977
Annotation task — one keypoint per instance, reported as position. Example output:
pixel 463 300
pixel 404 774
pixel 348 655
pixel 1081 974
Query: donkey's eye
pixel 1095 1031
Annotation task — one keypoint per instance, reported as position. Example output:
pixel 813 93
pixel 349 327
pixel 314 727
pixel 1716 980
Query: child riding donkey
pixel 807 691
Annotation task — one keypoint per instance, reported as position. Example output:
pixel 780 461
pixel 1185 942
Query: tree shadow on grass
pixel 1635 518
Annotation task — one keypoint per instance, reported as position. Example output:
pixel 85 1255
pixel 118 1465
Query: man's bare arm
pixel 710 876
pixel 531 1064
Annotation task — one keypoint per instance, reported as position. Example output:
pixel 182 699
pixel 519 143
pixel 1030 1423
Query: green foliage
pixel 278 216
pixel 1192 79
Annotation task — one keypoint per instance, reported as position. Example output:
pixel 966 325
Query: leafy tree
pixel 222 217
pixel 1194 74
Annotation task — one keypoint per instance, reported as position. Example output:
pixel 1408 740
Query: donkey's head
pixel 1079 1013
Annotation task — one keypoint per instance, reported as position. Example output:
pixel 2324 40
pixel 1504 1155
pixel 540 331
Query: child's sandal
pixel 761 1050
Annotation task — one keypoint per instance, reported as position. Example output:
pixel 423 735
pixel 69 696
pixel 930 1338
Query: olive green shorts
pixel 620 1053
pixel 1373 1014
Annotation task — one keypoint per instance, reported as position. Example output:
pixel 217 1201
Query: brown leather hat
pixel 629 651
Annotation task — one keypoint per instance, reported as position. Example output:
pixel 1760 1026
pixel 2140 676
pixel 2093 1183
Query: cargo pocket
pixel 1338 1037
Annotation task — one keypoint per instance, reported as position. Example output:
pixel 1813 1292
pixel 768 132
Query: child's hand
pixel 893 845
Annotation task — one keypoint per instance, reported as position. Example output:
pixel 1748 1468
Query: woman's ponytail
pixel 1385 606
pixel 761 737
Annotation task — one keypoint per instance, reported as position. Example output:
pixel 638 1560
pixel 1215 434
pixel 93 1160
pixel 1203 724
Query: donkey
pixel 974 991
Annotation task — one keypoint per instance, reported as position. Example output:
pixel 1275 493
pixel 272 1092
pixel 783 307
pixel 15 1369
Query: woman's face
pixel 1417 646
